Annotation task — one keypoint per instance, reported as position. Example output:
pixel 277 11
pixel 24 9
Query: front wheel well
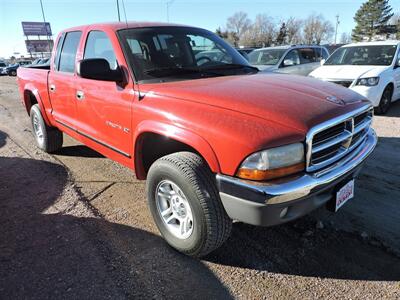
pixel 30 100
pixel 152 146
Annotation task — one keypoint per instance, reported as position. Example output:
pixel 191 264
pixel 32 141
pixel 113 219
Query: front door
pixel 104 107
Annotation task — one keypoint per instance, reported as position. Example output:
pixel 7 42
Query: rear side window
pixel 68 52
pixel 98 45
pixel 320 53
pixel 58 51
pixel 307 55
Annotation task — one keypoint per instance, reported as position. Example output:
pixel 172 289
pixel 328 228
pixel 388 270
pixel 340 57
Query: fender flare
pixel 35 92
pixel 176 133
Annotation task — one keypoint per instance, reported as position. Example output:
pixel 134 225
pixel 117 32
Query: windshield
pixel 178 53
pixel 267 57
pixel 363 56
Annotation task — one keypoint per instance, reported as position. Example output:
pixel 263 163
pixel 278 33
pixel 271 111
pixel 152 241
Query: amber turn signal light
pixel 260 175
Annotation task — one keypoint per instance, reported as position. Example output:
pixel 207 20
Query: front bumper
pixel 280 201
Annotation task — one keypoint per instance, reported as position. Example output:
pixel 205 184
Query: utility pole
pixel 168 3
pixel 336 27
pixel 44 23
pixel 119 17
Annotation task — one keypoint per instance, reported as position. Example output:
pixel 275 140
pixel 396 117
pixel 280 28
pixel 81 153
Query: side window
pixel 292 58
pixel 307 55
pixel 68 52
pixel 58 51
pixel 320 54
pixel 98 45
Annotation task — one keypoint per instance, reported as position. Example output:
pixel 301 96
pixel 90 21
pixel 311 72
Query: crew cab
pixel 372 69
pixel 214 140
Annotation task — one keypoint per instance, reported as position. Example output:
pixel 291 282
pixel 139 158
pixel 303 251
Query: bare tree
pixel 396 22
pixel 293 30
pixel 238 24
pixel 261 33
pixel 317 29
pixel 345 38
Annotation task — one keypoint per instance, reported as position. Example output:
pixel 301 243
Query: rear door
pixel 104 107
pixel 61 79
pixel 308 60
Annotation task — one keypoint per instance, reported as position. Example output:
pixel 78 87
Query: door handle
pixel 52 88
pixel 80 95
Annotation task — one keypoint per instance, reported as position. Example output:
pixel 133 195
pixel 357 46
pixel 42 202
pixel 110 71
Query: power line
pixel 119 17
pixel 123 7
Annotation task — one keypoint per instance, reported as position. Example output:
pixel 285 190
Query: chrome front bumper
pixel 262 203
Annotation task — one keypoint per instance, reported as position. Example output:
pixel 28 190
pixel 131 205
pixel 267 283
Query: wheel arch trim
pixel 178 134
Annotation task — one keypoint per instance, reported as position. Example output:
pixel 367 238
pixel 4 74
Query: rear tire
pixel 180 185
pixel 385 101
pixel 49 139
pixel 13 73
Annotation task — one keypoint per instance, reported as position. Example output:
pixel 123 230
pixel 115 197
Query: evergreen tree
pixel 371 18
pixel 281 38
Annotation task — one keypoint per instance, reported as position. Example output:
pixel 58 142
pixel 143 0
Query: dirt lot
pixel 76 225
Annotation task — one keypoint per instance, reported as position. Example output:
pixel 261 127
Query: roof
pixel 285 47
pixel 123 25
pixel 379 43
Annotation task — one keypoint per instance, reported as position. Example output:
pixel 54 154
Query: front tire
pixel 386 100
pixel 49 139
pixel 185 204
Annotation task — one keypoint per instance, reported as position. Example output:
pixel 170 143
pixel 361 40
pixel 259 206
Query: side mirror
pixel 322 62
pixel 288 63
pixel 99 69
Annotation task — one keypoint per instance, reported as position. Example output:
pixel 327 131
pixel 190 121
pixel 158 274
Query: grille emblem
pixel 350 128
pixel 335 100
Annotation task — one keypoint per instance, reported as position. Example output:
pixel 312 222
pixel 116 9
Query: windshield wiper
pixel 172 70
pixel 169 71
pixel 230 67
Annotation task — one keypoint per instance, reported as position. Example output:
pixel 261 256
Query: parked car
pixel 3 65
pixel 24 62
pixel 215 141
pixel 11 70
pixel 299 60
pixel 371 69
pixel 245 51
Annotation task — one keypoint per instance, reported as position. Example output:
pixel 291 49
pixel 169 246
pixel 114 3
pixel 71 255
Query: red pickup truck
pixel 215 140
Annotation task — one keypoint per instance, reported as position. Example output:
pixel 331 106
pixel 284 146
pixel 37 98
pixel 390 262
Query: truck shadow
pixel 3 137
pixel 48 254
pixel 78 151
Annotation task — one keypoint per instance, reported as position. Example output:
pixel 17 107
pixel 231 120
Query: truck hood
pixel 293 101
pixel 347 72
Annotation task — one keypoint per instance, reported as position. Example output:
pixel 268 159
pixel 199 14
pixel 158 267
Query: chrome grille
pixel 332 140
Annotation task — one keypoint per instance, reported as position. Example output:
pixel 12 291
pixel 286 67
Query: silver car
pixel 299 59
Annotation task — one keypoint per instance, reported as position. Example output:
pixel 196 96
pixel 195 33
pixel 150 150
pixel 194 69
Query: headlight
pixel 273 163
pixel 371 81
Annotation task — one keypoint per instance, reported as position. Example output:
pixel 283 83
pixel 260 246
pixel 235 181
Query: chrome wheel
pixel 174 209
pixel 37 127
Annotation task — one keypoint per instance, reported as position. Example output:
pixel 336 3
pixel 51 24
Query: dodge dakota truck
pixel 215 140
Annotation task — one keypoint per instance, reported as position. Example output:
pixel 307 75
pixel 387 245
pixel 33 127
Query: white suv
pixel 372 69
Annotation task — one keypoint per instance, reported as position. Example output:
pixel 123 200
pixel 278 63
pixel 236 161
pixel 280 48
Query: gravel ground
pixel 76 225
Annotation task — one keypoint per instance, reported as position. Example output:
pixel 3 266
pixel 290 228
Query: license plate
pixel 344 194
